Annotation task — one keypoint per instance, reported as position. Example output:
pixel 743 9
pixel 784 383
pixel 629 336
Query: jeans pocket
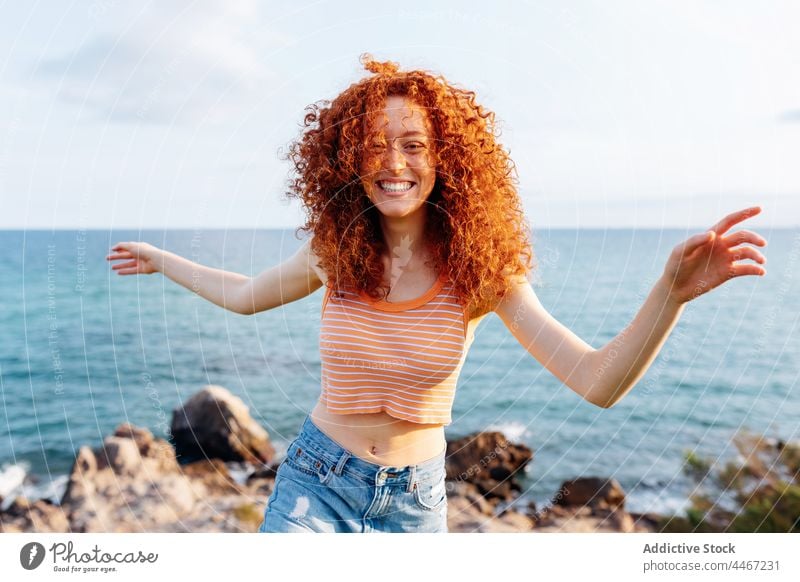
pixel 305 460
pixel 430 495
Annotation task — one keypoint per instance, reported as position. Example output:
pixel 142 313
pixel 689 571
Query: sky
pixel 617 114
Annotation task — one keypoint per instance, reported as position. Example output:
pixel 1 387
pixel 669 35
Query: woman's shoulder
pixel 313 262
pixel 514 283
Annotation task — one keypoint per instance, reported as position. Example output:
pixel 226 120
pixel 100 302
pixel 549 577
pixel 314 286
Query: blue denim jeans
pixel 322 487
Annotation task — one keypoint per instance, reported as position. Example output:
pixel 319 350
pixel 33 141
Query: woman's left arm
pixel 606 375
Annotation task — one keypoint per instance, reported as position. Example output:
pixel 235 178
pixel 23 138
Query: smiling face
pixel 396 172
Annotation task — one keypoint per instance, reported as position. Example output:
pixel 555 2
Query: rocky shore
pixel 219 471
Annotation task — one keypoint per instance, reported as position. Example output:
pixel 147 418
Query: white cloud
pixel 169 63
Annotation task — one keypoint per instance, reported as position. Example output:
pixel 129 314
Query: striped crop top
pixel 402 358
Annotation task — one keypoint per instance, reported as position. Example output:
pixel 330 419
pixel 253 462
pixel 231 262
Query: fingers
pixel 735 217
pixel 126 247
pixel 130 264
pixel 744 236
pixel 694 242
pixel 745 252
pixel 738 270
pixel 115 256
pixel 122 251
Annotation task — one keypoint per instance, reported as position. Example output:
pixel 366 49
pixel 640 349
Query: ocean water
pixel 83 350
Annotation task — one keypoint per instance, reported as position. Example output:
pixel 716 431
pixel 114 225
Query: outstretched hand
pixel 144 258
pixel 705 261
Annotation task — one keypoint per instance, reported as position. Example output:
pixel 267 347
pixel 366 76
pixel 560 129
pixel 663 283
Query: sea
pixel 83 349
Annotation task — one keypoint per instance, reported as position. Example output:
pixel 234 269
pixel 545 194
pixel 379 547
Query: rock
pixel 498 490
pixel 249 513
pixel 489 461
pixel 125 450
pixel 622 521
pixel 516 520
pixel 42 516
pixel 470 493
pixel 131 483
pixel 175 491
pixel 262 480
pixel 214 475
pixel 216 424
pixel 583 519
pixel 265 472
pixel 464 517
pixel 80 485
pixel 121 455
pixel 595 492
pixel 647 521
pixel 149 447
pixel 588 505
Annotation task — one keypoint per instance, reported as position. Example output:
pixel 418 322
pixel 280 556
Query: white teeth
pixel 396 186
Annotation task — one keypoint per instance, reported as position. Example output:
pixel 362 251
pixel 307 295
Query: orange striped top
pixel 402 358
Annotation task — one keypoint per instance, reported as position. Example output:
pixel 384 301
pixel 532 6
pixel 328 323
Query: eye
pixel 415 146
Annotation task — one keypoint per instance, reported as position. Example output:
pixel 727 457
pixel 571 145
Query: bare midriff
pixel 379 438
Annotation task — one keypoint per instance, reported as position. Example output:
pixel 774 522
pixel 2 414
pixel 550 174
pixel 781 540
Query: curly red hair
pixel 476 229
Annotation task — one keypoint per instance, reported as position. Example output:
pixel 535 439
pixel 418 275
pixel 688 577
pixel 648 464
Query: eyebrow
pixel 413 133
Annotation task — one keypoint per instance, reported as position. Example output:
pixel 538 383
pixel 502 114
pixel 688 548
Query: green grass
pixel 759 491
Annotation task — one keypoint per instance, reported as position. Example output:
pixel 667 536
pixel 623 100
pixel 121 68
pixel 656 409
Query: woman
pixel 417 233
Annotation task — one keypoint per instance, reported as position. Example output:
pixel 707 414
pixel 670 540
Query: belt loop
pixel 412 479
pixel 340 465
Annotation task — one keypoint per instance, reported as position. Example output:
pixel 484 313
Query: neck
pixel 404 233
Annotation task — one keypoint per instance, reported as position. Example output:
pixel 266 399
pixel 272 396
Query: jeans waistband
pixel 337 456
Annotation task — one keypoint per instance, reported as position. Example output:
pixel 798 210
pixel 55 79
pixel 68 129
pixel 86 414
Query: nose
pixel 395 160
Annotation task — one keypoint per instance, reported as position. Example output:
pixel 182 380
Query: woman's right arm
pixel 291 280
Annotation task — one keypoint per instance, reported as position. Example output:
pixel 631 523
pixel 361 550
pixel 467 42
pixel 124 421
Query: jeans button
pixel 381 478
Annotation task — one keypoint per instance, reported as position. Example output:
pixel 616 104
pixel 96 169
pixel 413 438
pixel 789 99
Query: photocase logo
pixel 31 555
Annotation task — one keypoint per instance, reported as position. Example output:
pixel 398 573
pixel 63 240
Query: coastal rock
pixel 265 472
pixel 130 452
pixel 121 455
pixel 216 424
pixel 470 493
pixel 81 484
pixel 588 505
pixel 594 492
pixel 262 480
pixel 488 460
pixel 647 521
pixel 620 520
pixel 133 483
pixel 214 475
pixel 41 515
pixel 159 451
pixel 463 516
pixel 585 519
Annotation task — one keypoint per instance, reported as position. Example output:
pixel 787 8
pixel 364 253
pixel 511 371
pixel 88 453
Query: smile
pixel 395 187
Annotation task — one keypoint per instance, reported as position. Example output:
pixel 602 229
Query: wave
pixel 16 481
pixel 514 430
pixel 12 477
